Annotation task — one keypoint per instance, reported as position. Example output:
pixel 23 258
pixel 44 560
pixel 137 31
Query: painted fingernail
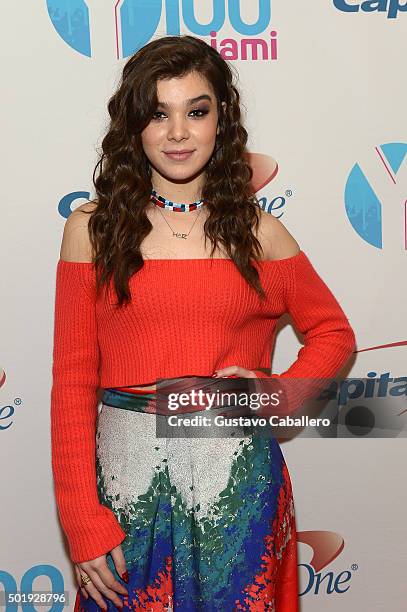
pixel 125 576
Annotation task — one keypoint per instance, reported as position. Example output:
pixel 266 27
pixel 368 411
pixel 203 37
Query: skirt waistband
pixel 138 402
pixel 156 404
pixel 153 402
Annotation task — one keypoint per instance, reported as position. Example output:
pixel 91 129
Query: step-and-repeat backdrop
pixel 324 94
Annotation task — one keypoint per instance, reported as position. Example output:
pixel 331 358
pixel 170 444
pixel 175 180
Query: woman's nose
pixel 177 129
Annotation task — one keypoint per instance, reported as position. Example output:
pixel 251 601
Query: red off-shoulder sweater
pixel 186 317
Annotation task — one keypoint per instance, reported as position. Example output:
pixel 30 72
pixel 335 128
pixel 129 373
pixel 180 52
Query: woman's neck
pixel 185 193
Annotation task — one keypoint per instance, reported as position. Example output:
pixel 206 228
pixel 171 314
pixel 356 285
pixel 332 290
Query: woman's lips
pixel 179 156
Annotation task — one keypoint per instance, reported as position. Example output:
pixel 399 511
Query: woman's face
pixel 180 138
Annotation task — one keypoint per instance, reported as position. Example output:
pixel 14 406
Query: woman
pixel 162 523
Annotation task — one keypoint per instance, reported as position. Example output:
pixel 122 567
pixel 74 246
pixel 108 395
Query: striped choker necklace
pixel 164 203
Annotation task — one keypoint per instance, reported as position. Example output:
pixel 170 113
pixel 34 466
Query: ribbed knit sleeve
pixel 329 339
pixel 91 528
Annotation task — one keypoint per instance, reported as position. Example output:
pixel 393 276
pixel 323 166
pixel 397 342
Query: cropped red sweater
pixel 186 317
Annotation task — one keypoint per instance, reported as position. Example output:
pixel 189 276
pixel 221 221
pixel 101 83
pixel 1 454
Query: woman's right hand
pixel 102 581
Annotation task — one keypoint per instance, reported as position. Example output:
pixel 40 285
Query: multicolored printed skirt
pixel 210 521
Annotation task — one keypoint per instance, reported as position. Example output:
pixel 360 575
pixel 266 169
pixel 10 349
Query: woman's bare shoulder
pixel 75 245
pixel 276 240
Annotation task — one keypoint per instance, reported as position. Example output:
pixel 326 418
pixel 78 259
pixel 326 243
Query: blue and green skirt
pixel 210 521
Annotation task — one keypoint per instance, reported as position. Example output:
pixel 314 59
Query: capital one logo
pixel 326 546
pixel 390 7
pixel 130 24
pixel 7 410
pixel 376 196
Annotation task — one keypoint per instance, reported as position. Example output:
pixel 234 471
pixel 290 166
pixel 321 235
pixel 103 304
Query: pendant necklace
pixel 161 202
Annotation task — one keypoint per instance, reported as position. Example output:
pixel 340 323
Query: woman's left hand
pixel 234 372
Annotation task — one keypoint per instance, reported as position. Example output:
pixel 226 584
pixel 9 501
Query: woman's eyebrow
pixel 189 101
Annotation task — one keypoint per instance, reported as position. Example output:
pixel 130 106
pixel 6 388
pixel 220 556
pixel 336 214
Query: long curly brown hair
pixel 119 223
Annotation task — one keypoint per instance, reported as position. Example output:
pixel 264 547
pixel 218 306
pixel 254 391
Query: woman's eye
pixel 202 111
pixel 157 113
